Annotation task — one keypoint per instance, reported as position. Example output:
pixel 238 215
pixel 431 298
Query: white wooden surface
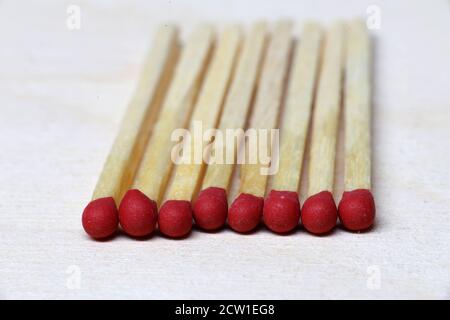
pixel 62 94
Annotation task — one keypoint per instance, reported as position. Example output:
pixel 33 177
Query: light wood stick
pixel 207 111
pixel 126 152
pixel 357 206
pixel 297 113
pixel 357 108
pixel 326 114
pixel 268 102
pixel 238 101
pixel 156 165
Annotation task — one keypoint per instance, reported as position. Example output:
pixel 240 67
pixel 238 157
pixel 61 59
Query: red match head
pixel 138 214
pixel 245 212
pixel 175 218
pixel 281 211
pixel 357 209
pixel 319 213
pixel 211 208
pixel 100 218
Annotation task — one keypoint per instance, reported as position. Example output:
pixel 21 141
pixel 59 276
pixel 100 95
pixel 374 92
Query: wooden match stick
pixel 319 212
pixel 211 206
pixel 282 207
pixel 357 207
pixel 138 209
pixel 175 215
pixel 100 217
pixel 246 211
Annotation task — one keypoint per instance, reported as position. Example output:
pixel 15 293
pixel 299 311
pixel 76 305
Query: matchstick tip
pixel 138 214
pixel 319 213
pixel 245 212
pixel 211 208
pixel 100 218
pixel 357 209
pixel 281 211
pixel 175 218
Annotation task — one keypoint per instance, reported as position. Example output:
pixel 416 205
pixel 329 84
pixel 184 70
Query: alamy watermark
pixel 73 20
pixel 227 146
pixel 373 20
pixel 73 281
pixel 373 281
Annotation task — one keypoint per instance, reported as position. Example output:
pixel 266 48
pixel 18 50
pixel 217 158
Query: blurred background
pixel 67 71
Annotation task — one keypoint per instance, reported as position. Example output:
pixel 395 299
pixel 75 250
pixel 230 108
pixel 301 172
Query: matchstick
pixel 100 217
pixel 357 207
pixel 281 207
pixel 138 209
pixel 175 215
pixel 246 211
pixel 319 212
pixel 211 206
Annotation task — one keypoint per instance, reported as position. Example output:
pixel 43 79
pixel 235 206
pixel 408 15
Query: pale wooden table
pixel 62 95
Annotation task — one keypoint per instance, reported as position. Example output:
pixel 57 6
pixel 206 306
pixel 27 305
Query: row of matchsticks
pixel 236 82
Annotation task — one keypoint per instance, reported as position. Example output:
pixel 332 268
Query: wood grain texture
pixel 296 116
pixel 326 113
pixel 357 108
pixel 267 105
pixel 186 176
pixel 237 105
pixel 156 164
pixel 126 152
pixel 60 88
